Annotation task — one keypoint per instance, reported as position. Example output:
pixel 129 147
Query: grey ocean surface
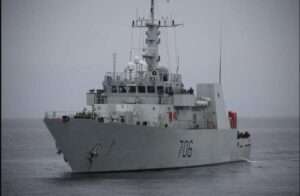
pixel 30 166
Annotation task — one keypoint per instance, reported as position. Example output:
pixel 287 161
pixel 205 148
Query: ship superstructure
pixel 144 118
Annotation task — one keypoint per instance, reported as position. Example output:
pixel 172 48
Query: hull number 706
pixel 185 149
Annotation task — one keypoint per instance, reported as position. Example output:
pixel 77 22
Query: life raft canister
pixel 232 119
pixel 172 116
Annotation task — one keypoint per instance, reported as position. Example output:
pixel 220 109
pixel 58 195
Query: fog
pixel 54 51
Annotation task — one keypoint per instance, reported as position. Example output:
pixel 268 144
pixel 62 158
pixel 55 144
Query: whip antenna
pixel 220 58
pixel 221 47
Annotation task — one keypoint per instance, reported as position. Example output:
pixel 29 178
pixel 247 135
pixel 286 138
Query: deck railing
pixel 59 114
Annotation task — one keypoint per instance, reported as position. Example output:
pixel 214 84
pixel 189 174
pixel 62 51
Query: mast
pixel 151 51
pixel 114 65
pixel 220 53
pixel 152 11
pixel 220 62
pixel 221 45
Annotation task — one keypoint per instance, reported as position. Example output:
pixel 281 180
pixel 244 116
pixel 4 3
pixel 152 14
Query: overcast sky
pixel 53 51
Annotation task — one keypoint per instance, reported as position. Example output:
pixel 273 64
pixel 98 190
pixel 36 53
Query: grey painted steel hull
pixel 119 147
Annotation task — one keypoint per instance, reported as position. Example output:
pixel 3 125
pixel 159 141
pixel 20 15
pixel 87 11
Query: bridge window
pixel 150 89
pixel 132 89
pixel 141 89
pixel 165 77
pixel 169 90
pixel 122 89
pixel 160 89
pixel 114 89
pixel 100 91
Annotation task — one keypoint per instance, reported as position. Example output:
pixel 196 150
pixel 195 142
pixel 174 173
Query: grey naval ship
pixel 144 118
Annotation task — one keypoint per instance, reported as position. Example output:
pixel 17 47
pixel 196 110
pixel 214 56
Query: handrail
pixel 59 114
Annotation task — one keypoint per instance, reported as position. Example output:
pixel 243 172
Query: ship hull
pixel 90 146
